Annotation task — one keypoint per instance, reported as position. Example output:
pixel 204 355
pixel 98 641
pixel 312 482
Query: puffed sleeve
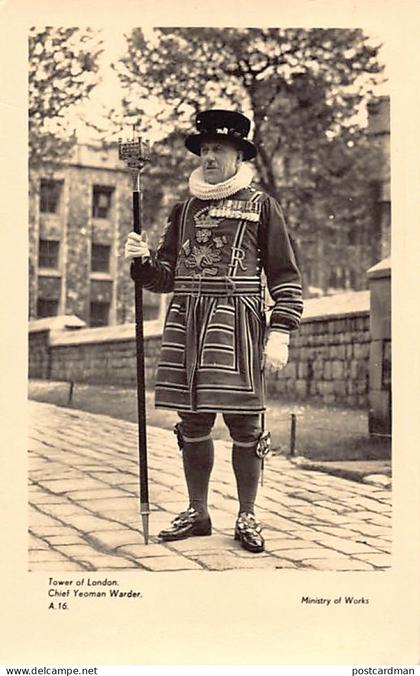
pixel 279 262
pixel 156 273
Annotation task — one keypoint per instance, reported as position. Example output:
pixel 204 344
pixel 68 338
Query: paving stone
pixel 308 496
pixel 277 522
pixel 202 543
pixel 332 519
pixel 106 562
pixel 37 543
pixel 101 492
pixel 174 507
pixel 310 553
pixel 369 529
pixel 69 485
pixel 166 563
pixel 130 487
pixel 227 561
pixel 46 531
pixel 380 520
pixel 273 545
pixel 345 546
pixel 44 500
pixel 313 521
pixel 373 505
pixel 338 564
pixel 280 563
pixel 385 496
pixel 74 551
pixel 66 539
pixel 46 566
pixel 141 551
pixel 241 553
pixel 117 538
pixel 40 519
pixel 65 509
pixel 273 534
pixel 379 545
pixel 380 560
pixel 223 519
pixel 46 556
pixel 337 507
pixel 378 480
pixel 90 523
pixel 325 529
pixel 306 534
pixel 114 478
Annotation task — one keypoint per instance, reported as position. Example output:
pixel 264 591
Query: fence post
pixel 293 434
pixel 71 392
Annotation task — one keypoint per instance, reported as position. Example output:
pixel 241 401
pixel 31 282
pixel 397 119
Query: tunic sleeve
pixel 156 273
pixel 279 262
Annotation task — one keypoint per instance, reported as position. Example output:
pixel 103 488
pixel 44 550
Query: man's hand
pixel 136 246
pixel 277 349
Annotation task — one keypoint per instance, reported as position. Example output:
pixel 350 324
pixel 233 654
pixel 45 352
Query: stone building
pixel 79 216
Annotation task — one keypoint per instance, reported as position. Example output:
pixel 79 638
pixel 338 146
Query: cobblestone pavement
pixel 83 497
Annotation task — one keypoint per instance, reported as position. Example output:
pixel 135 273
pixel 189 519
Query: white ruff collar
pixel 218 191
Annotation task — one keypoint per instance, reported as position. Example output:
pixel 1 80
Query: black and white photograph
pixel 211 453
pixel 240 177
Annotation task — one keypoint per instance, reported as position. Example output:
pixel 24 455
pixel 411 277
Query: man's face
pixel 220 160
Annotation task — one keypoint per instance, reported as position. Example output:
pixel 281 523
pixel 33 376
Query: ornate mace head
pixel 136 154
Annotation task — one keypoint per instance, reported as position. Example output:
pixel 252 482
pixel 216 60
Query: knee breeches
pixel 245 429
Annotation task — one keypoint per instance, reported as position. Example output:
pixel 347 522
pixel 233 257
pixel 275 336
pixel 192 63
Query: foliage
pixel 63 67
pixel 302 89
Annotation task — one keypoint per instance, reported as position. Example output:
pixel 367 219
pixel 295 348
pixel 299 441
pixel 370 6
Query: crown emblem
pixel 202 219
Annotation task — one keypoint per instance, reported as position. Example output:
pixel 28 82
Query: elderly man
pixel 211 255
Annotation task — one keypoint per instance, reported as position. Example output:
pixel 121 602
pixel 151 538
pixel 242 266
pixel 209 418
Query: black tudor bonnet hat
pixel 223 124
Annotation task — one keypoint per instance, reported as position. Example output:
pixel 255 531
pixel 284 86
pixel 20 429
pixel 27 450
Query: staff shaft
pixel 141 385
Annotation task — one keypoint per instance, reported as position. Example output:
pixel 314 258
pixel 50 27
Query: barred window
pixel 50 192
pixel 48 253
pixel 101 201
pixel 100 256
pixel 46 308
pixel 99 314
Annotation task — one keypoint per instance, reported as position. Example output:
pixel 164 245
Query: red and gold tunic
pixel 211 255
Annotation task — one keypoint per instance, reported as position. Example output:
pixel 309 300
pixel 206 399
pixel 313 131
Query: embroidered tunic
pixel 211 255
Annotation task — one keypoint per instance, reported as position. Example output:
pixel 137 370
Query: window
pixel 101 201
pixel 48 253
pixel 100 258
pixel 46 308
pixel 99 313
pixel 50 191
pixel 352 236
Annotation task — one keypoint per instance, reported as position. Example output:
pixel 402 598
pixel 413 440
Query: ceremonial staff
pixel 136 154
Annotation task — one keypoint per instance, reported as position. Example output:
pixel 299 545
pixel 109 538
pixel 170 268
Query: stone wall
pixel 39 354
pixel 101 355
pixel 329 362
pixel 329 356
pixel 108 362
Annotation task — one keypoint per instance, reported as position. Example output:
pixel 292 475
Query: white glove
pixel 136 246
pixel 277 348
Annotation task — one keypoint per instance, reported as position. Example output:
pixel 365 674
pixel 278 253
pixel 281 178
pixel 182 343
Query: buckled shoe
pixel 185 525
pixel 248 532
